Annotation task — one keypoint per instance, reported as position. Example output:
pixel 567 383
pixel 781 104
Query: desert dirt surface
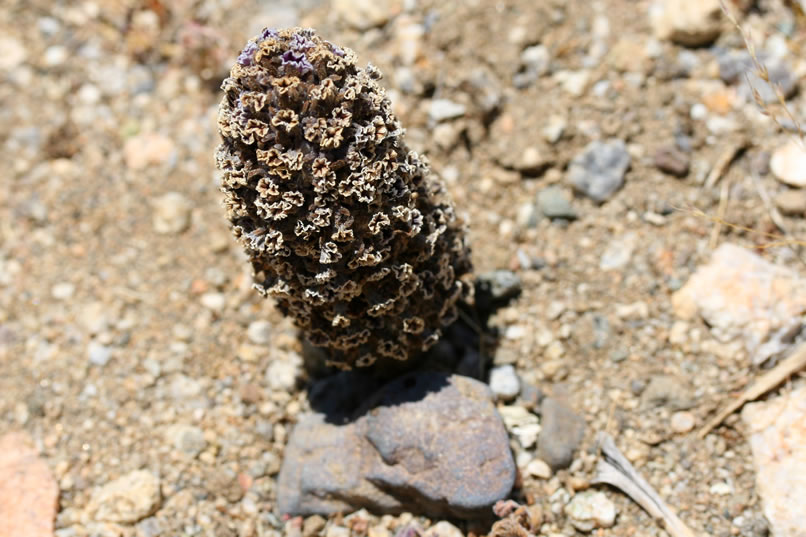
pixel 130 336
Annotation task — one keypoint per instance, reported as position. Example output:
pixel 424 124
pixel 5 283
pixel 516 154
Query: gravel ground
pixel 130 337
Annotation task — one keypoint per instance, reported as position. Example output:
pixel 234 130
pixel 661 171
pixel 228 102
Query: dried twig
pixel 615 470
pixel 762 385
pixel 760 70
pixel 722 163
pixel 724 194
pixel 776 240
pixel 775 216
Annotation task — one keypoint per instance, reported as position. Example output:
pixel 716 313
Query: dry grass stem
pixel 769 380
pixel 724 195
pixel 761 71
pixel 723 162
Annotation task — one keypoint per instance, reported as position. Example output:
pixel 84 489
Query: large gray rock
pixel 427 442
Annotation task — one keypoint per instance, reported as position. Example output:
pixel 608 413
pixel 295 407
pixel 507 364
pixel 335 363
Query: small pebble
pixel 692 23
pixel 186 438
pixel 213 301
pixel 337 531
pixel 184 387
pixel 365 14
pixel 670 160
pixel 618 252
pixel 539 469
pixel 171 213
pixel 504 382
pixel 62 291
pixel 590 510
pixel 443 529
pixel 682 422
pixel 95 317
pixel 98 354
pixel 127 499
pixel 55 55
pixel 669 391
pixel 282 373
pixel 554 369
pixel 753 86
pixel 637 386
pixel 574 82
pixel 14 53
pixel 792 202
pixel 554 351
pixel 721 489
pixel 788 164
pixel 524 425
pixel 313 525
pixel 553 203
pixel 554 129
pixel 259 332
pixel 149 527
pixel 444 109
pixel 498 285
pixel 145 150
pixel 598 171
pixel 562 433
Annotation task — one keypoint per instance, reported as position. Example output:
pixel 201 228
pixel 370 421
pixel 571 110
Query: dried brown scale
pixel 343 224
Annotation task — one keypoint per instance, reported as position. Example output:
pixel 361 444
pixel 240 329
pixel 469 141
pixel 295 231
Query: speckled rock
pixel 777 431
pixel 426 442
pixel 598 171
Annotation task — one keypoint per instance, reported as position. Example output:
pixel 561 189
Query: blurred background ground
pixel 130 337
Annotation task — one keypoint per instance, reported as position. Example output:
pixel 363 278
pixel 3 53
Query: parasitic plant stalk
pixel 343 225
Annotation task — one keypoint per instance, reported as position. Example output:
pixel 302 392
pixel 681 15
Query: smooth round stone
pixel 791 202
pixel 682 422
pixel 590 510
pixel 788 164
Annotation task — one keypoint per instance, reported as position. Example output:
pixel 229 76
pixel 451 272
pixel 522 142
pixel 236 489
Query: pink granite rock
pixel 28 492
pixel 777 430
pixel 743 296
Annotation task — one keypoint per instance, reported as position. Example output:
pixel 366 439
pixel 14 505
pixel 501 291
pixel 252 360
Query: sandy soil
pixel 124 314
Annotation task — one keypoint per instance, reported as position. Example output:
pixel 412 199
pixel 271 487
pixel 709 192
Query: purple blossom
pixel 296 60
pixel 267 33
pixel 247 54
pixel 336 50
pixel 301 43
